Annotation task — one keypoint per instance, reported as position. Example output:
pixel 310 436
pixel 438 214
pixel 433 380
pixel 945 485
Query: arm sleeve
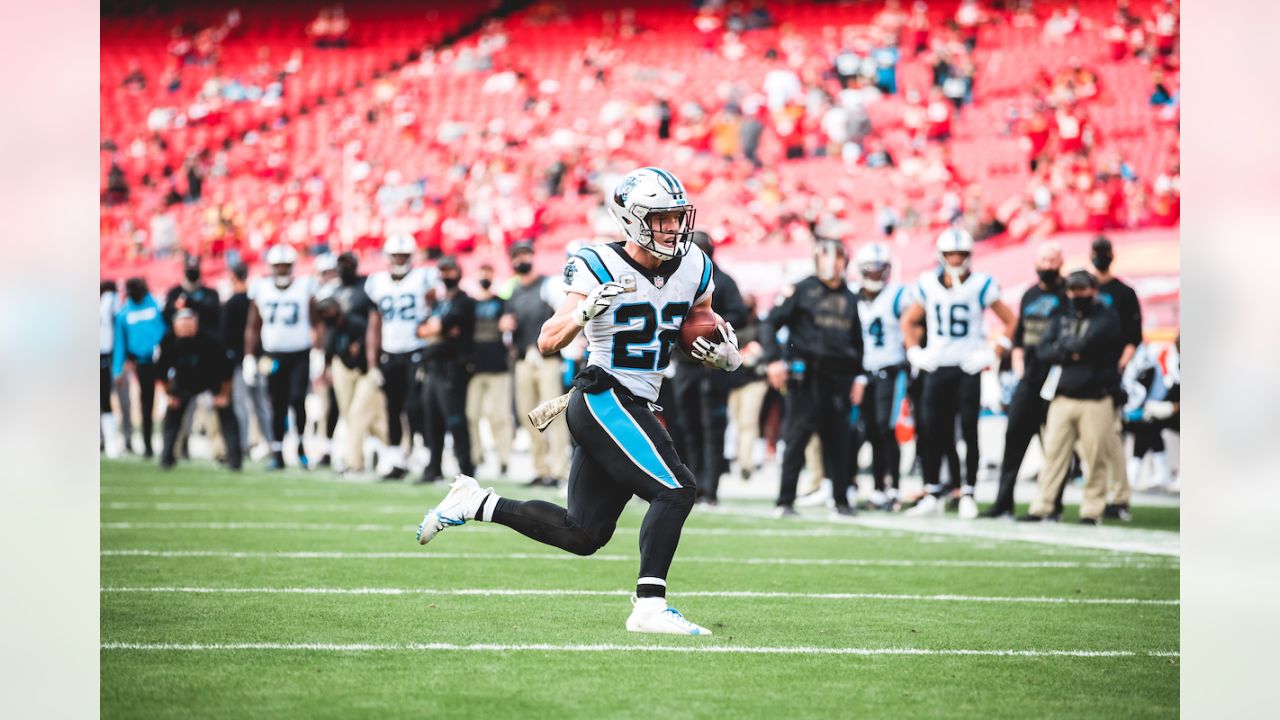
pixel 857 340
pixel 117 353
pixel 990 292
pixel 1048 350
pixel 1018 329
pixel 1131 323
pixel 1103 338
pixel 706 283
pixel 778 317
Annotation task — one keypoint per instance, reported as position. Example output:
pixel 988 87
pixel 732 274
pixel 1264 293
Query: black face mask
pixel 192 275
pixel 1048 277
pixel 348 275
pixel 1102 262
pixel 486 283
pixel 450 282
pixel 1082 304
pixel 522 268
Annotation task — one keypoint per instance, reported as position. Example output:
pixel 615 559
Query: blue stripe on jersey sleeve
pixel 706 277
pixel 594 264
pixel 982 296
pixel 897 300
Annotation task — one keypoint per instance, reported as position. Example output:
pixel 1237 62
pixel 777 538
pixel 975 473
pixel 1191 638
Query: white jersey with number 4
pixel 633 340
pixel 881 317
pixel 403 306
pixel 953 316
pixel 285 313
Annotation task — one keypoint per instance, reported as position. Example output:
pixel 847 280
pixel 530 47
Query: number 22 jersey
pixel 633 340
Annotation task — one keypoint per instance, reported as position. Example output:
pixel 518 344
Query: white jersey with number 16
pixel 953 316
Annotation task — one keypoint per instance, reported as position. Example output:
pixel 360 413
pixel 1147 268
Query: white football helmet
pixel 282 258
pixel 874 263
pixel 955 239
pixel 652 191
pixel 399 251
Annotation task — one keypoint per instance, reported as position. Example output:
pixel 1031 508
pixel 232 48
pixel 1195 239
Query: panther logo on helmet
pixel 645 204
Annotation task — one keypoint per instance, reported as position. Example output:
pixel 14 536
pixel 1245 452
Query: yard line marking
pixel 369 527
pixel 521 592
pixel 567 557
pixel 545 647
pixel 1110 538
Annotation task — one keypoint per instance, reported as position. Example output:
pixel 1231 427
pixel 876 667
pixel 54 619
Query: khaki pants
pixel 1117 470
pixel 744 409
pixel 538 380
pixel 361 407
pixel 1091 422
pixel 489 397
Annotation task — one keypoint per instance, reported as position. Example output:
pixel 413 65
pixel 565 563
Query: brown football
pixel 700 323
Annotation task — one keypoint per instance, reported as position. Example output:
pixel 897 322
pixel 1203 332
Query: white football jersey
pixel 953 316
pixel 403 306
pixel 285 313
pixel 634 339
pixel 881 318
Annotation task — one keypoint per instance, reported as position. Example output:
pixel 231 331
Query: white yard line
pixel 369 527
pixel 540 647
pixel 521 592
pixel 1114 537
pixel 857 562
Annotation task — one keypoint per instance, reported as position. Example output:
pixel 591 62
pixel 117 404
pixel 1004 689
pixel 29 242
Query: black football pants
pixel 817 402
pixel 622 450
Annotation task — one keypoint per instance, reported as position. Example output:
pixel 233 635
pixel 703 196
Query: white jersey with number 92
pixel 403 306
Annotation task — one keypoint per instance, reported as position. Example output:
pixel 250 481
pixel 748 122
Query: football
pixel 699 323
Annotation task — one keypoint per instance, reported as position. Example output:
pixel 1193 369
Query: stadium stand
pixel 1023 122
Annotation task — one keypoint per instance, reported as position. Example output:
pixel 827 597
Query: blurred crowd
pixel 854 128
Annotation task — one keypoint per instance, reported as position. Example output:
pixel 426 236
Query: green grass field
pixel 300 595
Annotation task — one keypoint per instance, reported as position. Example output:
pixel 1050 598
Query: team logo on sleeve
pixel 569 269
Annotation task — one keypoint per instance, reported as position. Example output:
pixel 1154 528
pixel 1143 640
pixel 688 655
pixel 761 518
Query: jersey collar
pixel 666 269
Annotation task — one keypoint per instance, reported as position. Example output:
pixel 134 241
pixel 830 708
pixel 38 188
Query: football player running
pixel 630 298
pixel 950 301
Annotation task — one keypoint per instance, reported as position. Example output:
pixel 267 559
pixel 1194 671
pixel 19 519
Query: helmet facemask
pixel 874 276
pixel 400 265
pixel 282 273
pixel 957 272
pixel 674 235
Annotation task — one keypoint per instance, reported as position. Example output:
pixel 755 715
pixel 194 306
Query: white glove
pixel 723 355
pixel 921 359
pixel 375 375
pixel 596 302
pixel 249 370
pixel 978 360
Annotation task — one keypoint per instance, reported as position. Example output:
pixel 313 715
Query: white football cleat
pixel 928 505
pixel 460 505
pixel 968 507
pixel 651 615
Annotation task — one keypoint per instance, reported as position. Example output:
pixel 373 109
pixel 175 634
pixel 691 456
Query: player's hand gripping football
pixel 723 355
pixel 596 302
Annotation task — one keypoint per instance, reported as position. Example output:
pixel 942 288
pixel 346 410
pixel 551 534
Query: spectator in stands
pixel 1160 95
pixel 138 329
pixel 969 16
pixel 918 26
pixel 1082 348
pixel 117 192
pixel 136 80
pixel 750 130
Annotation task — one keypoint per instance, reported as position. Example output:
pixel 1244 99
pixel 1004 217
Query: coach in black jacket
pixel 1082 349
